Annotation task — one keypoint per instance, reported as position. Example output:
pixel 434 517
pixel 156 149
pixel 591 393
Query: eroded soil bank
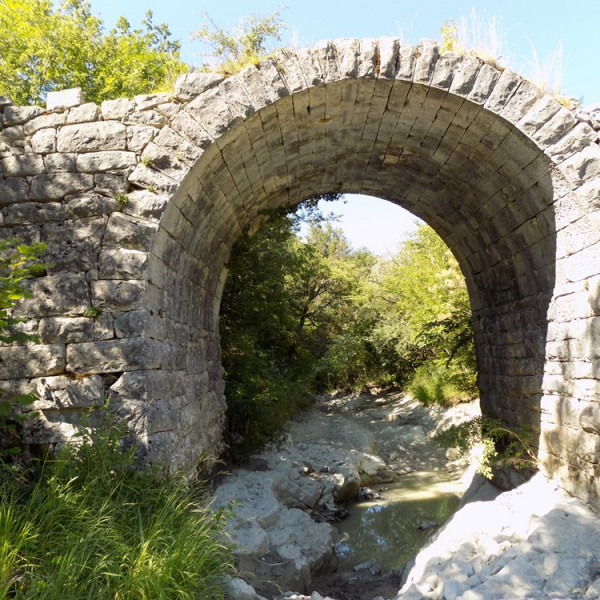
pixel 531 542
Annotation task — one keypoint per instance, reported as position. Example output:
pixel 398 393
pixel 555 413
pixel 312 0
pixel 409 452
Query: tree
pixel 43 48
pixel 18 263
pixel 246 44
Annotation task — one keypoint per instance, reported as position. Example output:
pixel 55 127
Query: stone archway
pixel 141 200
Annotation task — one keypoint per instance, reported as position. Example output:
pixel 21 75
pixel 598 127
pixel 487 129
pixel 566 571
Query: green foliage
pixel 46 47
pixel 244 45
pixel 492 442
pixel 92 525
pixel 92 312
pixel 18 263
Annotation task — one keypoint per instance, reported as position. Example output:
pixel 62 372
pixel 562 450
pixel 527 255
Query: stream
pixel 289 499
pixel 392 528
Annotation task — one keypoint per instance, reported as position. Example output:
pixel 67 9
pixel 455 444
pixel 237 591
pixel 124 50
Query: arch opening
pixel 483 186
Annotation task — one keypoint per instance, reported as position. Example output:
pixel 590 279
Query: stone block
pixel 118 295
pixel 60 392
pixel 138 137
pixel 148 101
pixel 18 362
pixel 110 184
pixel 51 120
pixel 112 160
pixel 44 141
pixel 116 109
pixel 34 213
pixel 12 190
pixel 64 98
pixel 211 111
pixel 146 205
pixel 22 165
pixel 66 330
pixel 92 137
pixel 89 205
pixel 66 294
pixel 84 114
pixel 114 356
pixel 190 85
pixel 122 264
pixel 73 245
pixel 153 180
pixel 55 186
pixel 125 231
pixel 17 115
pixel 59 163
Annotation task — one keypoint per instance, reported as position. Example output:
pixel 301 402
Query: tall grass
pixel 93 527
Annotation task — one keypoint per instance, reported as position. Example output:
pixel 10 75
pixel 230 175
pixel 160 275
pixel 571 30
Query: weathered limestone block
pixel 117 109
pixel 110 184
pixel 149 385
pixel 44 122
pixel 132 233
pixel 84 113
pixel 58 162
pixel 104 327
pixel 44 141
pixel 119 295
pixel 36 360
pixel 21 165
pixel 92 137
pixel 58 185
pixel 148 101
pixel 68 392
pixel 17 115
pixel 13 190
pixel 122 263
pixel 190 85
pixel 134 324
pixel 93 162
pixel 66 329
pixel 60 295
pixel 73 245
pixel 114 356
pixel 89 205
pixel 34 212
pixel 64 99
pixel 138 137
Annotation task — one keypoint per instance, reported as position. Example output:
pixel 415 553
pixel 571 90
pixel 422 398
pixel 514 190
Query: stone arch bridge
pixel 141 200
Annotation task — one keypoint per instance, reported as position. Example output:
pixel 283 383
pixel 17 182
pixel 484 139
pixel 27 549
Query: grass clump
pixel 90 525
pixel 440 382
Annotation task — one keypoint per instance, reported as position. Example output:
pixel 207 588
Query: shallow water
pixel 387 529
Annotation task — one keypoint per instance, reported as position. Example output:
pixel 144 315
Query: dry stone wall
pixel 140 201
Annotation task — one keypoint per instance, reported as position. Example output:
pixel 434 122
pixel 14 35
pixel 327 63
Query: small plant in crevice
pixel 491 442
pixel 92 312
pixel 146 161
pixel 122 200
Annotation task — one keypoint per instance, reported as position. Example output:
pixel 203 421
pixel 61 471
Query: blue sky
pixel 524 25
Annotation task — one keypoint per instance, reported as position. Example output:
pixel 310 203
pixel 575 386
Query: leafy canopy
pixel 246 44
pixel 43 48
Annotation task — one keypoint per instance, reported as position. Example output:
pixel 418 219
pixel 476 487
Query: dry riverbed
pixel 532 542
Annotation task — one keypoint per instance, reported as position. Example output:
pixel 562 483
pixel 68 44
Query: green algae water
pixel 389 529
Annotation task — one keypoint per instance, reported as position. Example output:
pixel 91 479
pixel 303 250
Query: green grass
pixel 90 526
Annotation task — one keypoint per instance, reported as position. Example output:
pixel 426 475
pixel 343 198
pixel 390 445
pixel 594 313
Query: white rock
pixel 238 589
pixel 64 98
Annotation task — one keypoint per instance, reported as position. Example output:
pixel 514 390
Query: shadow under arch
pixel 483 186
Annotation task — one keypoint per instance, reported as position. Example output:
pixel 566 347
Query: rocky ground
pixel 531 542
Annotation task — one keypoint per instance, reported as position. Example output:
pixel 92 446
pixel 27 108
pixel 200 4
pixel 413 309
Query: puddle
pixel 387 529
